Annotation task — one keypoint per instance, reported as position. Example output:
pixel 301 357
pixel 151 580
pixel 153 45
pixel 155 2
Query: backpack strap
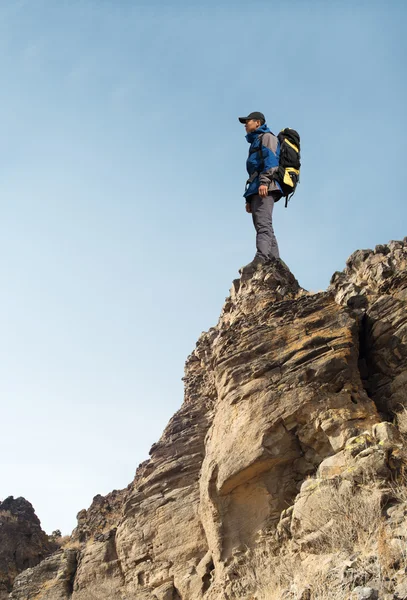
pixel 260 151
pixel 288 198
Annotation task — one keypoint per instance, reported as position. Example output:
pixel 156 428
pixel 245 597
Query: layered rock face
pixel 289 387
pixel 375 283
pixel 23 543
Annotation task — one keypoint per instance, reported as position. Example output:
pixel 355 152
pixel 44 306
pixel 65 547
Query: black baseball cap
pixel 257 116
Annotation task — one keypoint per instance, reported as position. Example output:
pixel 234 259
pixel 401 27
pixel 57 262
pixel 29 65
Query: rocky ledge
pixel 282 474
pixel 23 543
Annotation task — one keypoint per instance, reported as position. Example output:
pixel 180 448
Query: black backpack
pixel 288 174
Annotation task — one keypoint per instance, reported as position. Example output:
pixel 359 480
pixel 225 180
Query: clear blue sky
pixel 122 218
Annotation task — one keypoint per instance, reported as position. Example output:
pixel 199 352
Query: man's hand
pixel 263 191
pixel 248 207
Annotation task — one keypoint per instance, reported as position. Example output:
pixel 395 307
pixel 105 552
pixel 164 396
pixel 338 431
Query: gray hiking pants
pixel 262 215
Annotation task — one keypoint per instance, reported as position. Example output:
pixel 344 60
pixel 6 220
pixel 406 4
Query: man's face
pixel 251 125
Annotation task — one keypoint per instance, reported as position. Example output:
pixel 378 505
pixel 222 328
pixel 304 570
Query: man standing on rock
pixel 262 191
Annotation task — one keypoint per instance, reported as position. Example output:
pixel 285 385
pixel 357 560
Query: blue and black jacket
pixel 261 169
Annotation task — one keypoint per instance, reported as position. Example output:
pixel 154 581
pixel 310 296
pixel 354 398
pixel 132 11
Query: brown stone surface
pixel 100 517
pixel 378 279
pixel 285 387
pixel 23 543
pixel 52 579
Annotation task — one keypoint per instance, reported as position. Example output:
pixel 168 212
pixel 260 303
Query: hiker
pixel 262 191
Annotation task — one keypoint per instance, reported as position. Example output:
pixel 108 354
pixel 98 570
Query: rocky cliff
pixel 283 473
pixel 23 543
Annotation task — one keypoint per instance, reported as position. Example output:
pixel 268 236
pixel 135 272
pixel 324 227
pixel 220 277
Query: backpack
pixel 288 174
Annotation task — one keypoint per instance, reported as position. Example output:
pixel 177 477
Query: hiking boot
pixel 255 265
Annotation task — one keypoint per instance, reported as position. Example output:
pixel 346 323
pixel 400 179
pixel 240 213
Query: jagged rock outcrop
pixel 23 543
pixel 52 579
pixel 96 529
pixel 376 282
pixel 101 517
pixel 289 393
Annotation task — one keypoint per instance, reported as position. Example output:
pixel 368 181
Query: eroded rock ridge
pixel 288 391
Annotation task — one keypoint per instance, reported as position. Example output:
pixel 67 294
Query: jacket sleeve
pixel 271 152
